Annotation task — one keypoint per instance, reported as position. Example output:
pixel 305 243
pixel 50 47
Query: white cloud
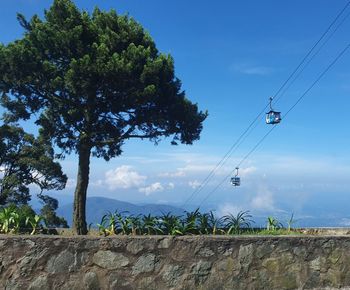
pixel 244 172
pixel 171 185
pixel 228 208
pixel 248 69
pixel 124 177
pixel 157 186
pixel 194 184
pixel 178 173
pixel 194 169
pixel 263 200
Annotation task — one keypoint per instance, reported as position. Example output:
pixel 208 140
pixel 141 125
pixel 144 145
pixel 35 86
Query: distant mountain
pixel 97 207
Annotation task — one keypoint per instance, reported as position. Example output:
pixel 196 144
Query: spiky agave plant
pixel 204 224
pixel 291 222
pixel 170 224
pixel 189 224
pixel 234 223
pixel 150 224
pixel 135 224
pixel 215 224
pixel 124 222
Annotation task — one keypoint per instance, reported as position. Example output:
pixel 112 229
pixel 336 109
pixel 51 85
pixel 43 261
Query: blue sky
pixel 231 56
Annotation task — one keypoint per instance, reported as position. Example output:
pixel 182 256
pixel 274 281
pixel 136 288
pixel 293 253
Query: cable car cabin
pixel 235 181
pixel 273 117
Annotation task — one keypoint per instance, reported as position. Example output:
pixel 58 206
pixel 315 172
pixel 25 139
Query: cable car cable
pixel 236 144
pixel 319 77
pixel 312 48
pixel 232 149
pixel 312 57
pixel 272 128
pixel 239 164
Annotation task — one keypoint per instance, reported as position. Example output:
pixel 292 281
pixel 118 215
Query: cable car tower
pixel 236 181
pixel 273 117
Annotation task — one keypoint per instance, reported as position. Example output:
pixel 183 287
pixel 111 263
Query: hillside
pixel 99 206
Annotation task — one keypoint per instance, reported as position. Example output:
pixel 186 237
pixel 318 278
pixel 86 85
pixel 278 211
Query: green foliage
pixel 124 224
pixel 108 225
pixel 150 225
pixel 214 223
pixel 189 225
pixel 273 224
pixel 135 225
pixel 48 213
pixel 192 223
pixel 34 222
pixel 6 219
pixel 92 82
pixel 26 160
pixel 171 224
pixel 234 224
pixel 291 222
pixel 15 220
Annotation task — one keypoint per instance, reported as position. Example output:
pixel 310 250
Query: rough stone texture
pixel 40 283
pixel 144 264
pixel 91 281
pixel 110 260
pixel 158 262
pixel 62 263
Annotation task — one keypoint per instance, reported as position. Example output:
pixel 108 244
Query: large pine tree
pixel 93 82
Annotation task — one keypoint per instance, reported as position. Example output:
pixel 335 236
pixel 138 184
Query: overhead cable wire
pixel 269 132
pixel 318 79
pixel 245 132
pixel 312 48
pixel 239 164
pixel 232 149
pixel 311 58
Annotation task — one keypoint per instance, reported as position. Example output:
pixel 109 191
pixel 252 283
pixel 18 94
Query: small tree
pixel 26 160
pixel 48 212
pixel 95 81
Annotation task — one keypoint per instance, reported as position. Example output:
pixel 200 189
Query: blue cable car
pixel 273 117
pixel 236 181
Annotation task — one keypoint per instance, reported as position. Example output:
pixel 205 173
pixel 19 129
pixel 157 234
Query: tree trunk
pixel 79 214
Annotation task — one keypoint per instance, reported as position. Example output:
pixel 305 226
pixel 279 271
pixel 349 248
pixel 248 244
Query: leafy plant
pixel 290 222
pixel 108 224
pixel 204 224
pixel 234 224
pixel 214 223
pixel 273 224
pixel 34 222
pixel 124 223
pixel 135 224
pixel 189 225
pixel 6 219
pixel 150 224
pixel 15 219
pixel 170 224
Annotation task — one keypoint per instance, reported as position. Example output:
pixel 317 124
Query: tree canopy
pixel 93 82
pixel 26 160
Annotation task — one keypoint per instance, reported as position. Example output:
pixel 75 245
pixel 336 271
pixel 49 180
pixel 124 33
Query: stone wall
pixel 158 262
